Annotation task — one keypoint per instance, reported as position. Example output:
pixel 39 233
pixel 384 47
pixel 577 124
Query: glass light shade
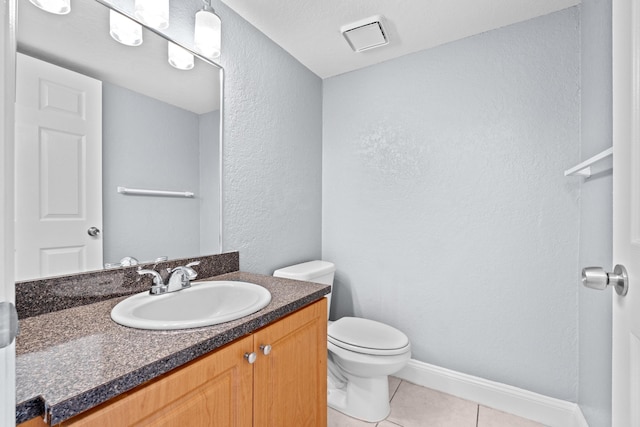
pixel 208 34
pixel 179 57
pixel 124 30
pixel 59 7
pixel 154 13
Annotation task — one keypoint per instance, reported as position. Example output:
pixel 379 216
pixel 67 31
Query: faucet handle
pixel 189 271
pixel 158 284
pixel 157 278
pixel 128 261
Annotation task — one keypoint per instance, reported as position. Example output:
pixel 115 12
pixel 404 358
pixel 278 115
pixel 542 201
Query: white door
pixel 626 211
pixel 7 354
pixel 58 170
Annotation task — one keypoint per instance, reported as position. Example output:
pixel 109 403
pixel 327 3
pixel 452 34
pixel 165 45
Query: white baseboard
pixel 526 404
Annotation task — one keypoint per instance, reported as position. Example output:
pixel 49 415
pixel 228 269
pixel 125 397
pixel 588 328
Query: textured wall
pixel 595 214
pixel 272 151
pixel 445 207
pixel 148 144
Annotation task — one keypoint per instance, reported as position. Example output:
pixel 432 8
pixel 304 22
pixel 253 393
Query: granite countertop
pixel 71 360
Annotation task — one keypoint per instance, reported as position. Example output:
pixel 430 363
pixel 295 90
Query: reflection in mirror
pixel 93 115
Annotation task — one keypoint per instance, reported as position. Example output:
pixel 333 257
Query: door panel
pixel 61 163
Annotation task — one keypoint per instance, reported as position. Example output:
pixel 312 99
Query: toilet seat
pixel 367 337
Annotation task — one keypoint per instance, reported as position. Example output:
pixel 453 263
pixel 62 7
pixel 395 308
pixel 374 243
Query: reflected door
pixel 58 170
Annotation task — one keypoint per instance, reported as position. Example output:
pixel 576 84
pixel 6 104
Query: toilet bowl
pixel 362 353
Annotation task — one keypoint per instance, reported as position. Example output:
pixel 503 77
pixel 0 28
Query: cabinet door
pixel 214 390
pixel 290 383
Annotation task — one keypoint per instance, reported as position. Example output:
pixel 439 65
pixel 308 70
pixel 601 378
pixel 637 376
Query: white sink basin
pixel 203 304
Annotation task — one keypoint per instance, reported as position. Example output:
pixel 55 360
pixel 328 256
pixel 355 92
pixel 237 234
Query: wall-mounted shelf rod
pixel 584 169
pixel 161 193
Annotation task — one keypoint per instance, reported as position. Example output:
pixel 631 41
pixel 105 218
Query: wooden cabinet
pixel 286 387
pixel 290 383
pixel 209 391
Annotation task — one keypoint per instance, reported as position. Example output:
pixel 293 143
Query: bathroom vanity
pixel 78 367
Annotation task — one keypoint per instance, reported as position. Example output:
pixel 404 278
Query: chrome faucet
pixel 180 278
pixel 158 284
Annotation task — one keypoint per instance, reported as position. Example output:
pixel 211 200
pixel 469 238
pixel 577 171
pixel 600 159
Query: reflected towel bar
pixel 583 169
pixel 141 192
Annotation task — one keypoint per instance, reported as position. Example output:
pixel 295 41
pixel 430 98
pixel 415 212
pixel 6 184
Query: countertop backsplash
pixel 51 294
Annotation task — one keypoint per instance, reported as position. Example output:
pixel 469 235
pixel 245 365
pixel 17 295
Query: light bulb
pixel 59 7
pixel 154 13
pixel 179 57
pixel 208 33
pixel 124 30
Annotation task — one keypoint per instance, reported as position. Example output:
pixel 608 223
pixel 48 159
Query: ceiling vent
pixel 365 34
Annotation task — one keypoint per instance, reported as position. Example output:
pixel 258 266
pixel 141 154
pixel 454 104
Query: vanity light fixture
pixel 179 57
pixel 208 32
pixel 124 29
pixel 59 7
pixel 154 13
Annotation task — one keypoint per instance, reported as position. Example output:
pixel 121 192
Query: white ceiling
pixel 310 30
pixel 80 41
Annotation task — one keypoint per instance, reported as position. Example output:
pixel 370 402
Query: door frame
pixel 7 285
pixel 626 231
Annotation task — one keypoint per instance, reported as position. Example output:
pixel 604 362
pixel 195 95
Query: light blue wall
pixel 445 207
pixel 209 168
pixel 148 144
pixel 272 170
pixel 595 214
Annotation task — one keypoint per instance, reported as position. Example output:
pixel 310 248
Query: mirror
pixel 160 131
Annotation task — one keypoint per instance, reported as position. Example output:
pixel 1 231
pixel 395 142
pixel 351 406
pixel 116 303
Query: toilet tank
pixel 311 271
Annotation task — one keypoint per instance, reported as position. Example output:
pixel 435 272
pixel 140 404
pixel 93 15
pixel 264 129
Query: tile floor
pixel 415 406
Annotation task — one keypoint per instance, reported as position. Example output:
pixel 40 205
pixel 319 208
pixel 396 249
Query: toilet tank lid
pixel 306 271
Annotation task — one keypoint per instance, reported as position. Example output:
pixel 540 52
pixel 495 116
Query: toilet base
pixel 366 399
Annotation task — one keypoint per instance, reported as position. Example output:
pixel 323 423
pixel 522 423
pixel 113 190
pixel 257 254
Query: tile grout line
pixel 392 396
pixel 395 391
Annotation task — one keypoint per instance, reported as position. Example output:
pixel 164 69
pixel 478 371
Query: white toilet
pixel 362 353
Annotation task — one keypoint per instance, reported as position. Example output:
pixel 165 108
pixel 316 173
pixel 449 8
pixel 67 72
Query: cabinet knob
pixel 266 349
pixel 251 357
